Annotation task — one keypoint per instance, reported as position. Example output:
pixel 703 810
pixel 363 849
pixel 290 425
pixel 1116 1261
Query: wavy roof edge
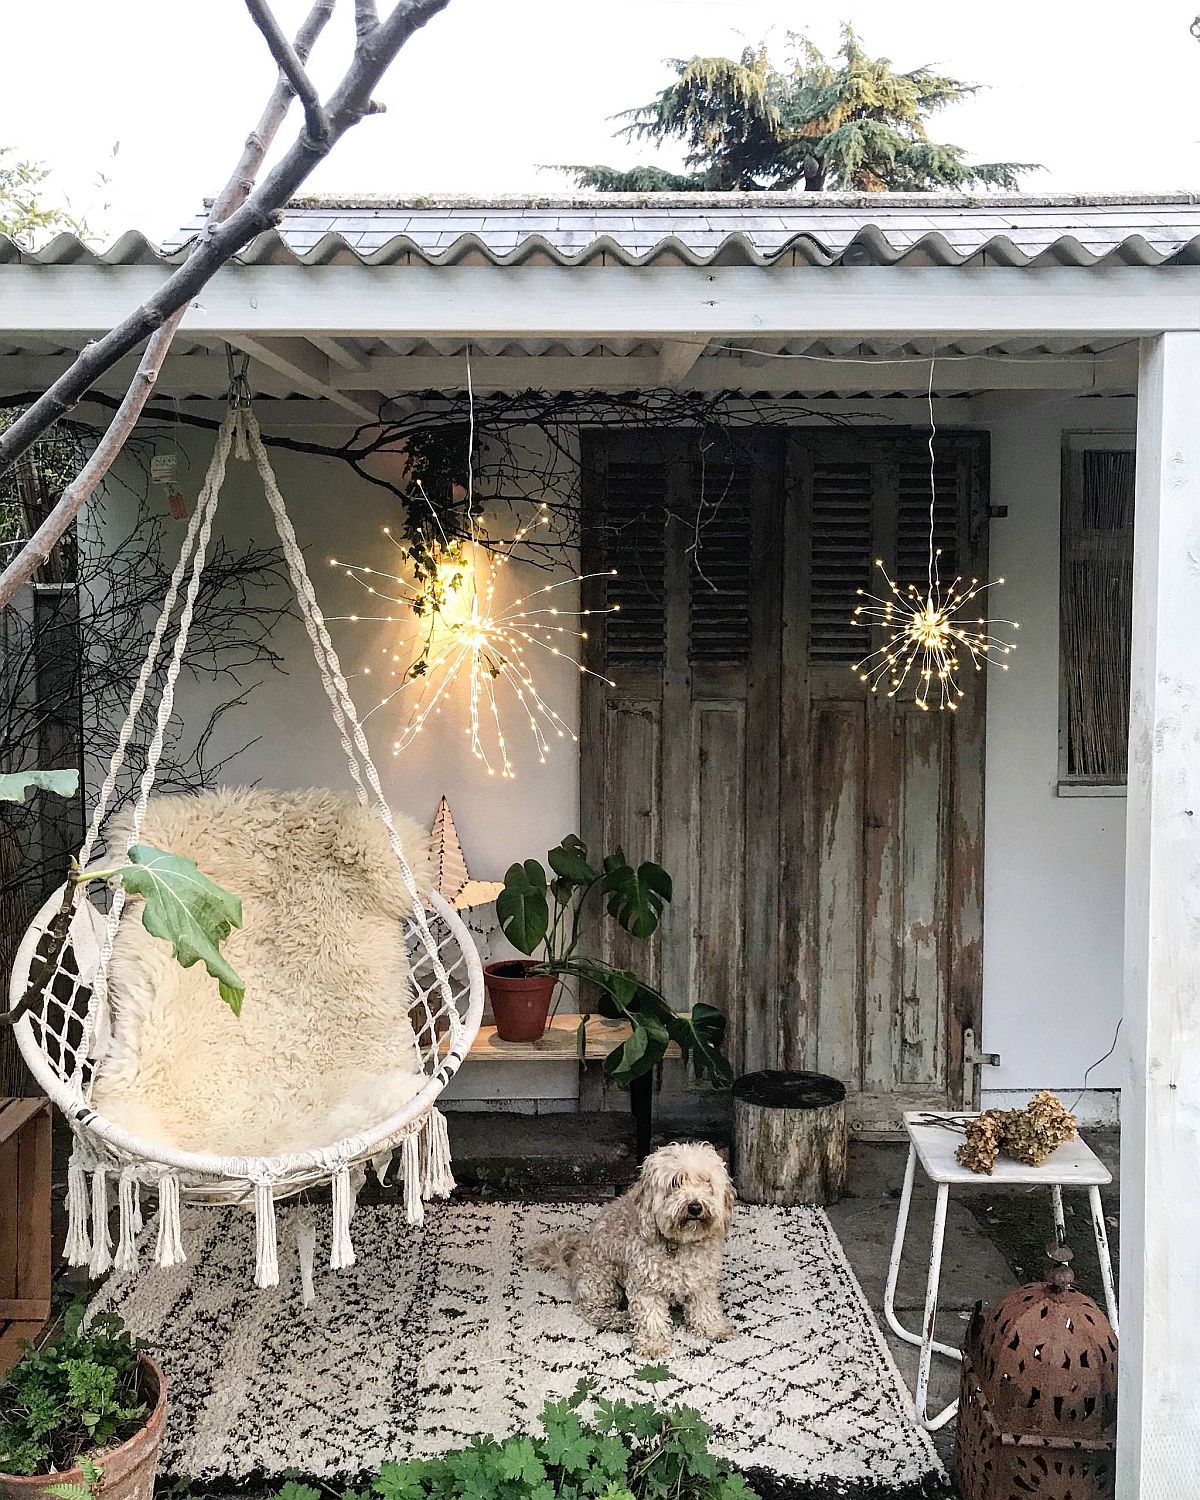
pixel 797 201
pixel 870 246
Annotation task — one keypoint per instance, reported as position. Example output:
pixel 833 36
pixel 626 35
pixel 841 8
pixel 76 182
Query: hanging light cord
pixel 932 472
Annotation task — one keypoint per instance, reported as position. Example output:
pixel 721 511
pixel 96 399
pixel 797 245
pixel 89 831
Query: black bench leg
pixel 641 1103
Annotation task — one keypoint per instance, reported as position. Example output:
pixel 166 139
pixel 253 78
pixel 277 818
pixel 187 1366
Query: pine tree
pixel 850 122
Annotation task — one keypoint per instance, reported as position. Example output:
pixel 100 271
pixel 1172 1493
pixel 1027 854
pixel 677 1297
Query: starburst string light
pixel 930 634
pixel 466 635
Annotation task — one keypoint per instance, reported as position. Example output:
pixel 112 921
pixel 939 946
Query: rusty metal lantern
pixel 1037 1412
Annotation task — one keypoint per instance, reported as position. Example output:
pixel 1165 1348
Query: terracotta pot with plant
pixel 540 914
pixel 82 1415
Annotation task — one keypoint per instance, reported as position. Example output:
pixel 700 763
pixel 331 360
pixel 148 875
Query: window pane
pixel 1097 592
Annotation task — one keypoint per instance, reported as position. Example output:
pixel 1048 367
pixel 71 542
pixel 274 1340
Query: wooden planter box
pixel 24 1224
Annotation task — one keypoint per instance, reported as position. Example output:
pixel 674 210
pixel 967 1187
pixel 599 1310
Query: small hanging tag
pixel 179 506
pixel 163 467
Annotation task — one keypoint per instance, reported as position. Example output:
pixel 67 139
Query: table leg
pixel 889 1291
pixel 928 1343
pixel 1060 1218
pixel 897 1255
pixel 1106 1271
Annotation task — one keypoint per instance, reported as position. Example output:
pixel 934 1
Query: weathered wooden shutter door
pixel 680 758
pixel 882 832
pixel 825 843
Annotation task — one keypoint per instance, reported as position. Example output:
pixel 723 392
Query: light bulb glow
pixel 930 636
pixel 467 635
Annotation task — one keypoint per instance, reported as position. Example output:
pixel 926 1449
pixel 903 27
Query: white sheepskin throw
pixel 324 1047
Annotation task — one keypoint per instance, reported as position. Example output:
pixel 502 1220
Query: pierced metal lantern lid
pixel 1046 1361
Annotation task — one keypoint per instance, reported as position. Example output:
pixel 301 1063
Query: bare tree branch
pixel 366 17
pixel 221 240
pixel 292 68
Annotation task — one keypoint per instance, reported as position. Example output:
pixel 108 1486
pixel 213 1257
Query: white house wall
pixel 1054 866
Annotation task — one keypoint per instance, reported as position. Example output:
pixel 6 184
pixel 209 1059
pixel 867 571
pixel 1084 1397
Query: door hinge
pixel 974 1061
pixel 998 512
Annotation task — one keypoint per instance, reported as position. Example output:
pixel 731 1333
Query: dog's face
pixel 686 1192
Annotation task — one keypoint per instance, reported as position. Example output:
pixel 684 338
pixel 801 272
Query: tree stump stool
pixel 789 1138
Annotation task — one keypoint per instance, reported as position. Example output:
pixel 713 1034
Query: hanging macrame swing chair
pixel 66 1027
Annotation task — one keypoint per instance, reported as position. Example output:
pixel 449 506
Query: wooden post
pixel 789 1138
pixel 1158 1433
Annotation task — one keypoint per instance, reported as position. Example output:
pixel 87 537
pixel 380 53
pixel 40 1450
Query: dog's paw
pixel 714 1328
pixel 652 1348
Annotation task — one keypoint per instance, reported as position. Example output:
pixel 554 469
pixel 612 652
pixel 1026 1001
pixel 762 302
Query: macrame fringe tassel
pixel 77 1251
pixel 126 1258
pixel 437 1180
pixel 101 1260
pixel 266 1252
pixel 414 1208
pixel 138 1226
pixel 306 1248
pixel 169 1249
pixel 341 1251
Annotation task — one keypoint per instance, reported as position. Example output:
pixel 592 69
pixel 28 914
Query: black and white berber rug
pixel 446 1331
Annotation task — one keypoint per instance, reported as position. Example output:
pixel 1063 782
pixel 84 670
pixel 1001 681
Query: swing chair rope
pixel 195 547
pixel 342 705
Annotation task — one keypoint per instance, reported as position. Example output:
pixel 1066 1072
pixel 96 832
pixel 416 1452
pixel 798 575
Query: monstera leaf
pixel 15 785
pixel 568 860
pixel 636 897
pixel 700 1037
pixel 188 910
pixel 522 907
pixel 654 1025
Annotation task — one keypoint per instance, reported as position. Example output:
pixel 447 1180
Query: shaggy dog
pixel 656 1248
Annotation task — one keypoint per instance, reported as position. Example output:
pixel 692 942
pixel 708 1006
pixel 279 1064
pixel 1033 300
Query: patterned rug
pixel 442 1332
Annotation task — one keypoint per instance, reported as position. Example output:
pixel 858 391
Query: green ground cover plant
pixel 587 1448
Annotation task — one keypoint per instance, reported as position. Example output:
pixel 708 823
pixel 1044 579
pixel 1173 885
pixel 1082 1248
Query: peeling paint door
pixel 826 844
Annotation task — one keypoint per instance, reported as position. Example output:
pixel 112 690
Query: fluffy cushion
pixel 324 1046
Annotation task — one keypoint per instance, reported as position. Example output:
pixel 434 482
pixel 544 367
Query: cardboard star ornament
pixel 450 866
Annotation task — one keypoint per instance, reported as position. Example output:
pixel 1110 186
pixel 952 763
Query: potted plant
pixel 82 1414
pixel 540 914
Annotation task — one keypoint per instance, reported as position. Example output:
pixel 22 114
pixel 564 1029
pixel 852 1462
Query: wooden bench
pixel 25 1134
pixel 560 1043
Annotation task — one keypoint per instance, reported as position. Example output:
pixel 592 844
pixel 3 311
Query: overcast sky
pixel 1105 95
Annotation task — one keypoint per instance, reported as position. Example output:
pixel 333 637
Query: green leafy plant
pixel 544 911
pixel 586 1447
pixel 541 915
pixel 15 786
pixel 70 1398
pixel 180 904
pixel 184 907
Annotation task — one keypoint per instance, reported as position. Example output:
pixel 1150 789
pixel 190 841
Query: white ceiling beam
pixel 676 358
pixel 296 360
pixel 206 375
pixel 186 375
pixel 682 302
pixel 607 373
pixel 337 353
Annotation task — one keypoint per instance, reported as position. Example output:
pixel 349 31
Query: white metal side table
pixel 1073 1165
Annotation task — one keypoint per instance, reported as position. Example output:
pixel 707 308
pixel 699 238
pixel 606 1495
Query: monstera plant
pixel 181 905
pixel 541 914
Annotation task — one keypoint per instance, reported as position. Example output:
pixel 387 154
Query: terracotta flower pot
pixel 520 1000
pixel 128 1469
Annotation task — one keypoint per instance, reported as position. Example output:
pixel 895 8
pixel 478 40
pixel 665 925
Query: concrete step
pixel 558 1156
